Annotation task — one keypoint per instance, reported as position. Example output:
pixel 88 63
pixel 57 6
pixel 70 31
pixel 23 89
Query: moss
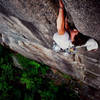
pixel 30 83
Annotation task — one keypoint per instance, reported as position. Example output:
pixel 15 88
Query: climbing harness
pixel 70 50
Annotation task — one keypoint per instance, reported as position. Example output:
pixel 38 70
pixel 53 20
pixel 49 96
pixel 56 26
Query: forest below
pixel 24 79
pixel 26 55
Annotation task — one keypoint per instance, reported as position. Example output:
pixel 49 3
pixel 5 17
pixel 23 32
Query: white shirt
pixel 63 41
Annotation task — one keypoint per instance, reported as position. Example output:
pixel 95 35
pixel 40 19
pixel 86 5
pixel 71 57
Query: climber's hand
pixel 61 4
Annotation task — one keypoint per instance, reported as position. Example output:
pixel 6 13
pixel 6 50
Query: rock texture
pixel 85 15
pixel 27 27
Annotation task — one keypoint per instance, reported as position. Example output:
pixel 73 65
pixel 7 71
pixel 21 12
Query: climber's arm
pixel 60 19
pixel 73 32
pixel 66 24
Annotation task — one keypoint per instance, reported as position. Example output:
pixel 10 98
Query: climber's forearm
pixel 60 22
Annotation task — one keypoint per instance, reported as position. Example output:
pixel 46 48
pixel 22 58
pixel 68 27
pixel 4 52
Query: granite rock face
pixel 86 16
pixel 27 27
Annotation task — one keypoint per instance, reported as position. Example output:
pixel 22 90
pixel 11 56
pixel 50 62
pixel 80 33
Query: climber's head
pixel 73 33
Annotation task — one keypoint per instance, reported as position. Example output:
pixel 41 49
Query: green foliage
pixel 1 50
pixel 29 83
pixel 67 76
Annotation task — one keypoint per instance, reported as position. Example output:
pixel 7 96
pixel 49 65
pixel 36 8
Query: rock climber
pixel 68 37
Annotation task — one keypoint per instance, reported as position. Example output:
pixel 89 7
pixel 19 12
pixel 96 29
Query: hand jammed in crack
pixel 72 37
